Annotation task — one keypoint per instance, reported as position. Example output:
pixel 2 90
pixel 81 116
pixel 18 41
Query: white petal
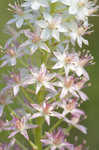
pixel 45 47
pixel 13 61
pixel 58 65
pixel 19 22
pixel 55 34
pixel 46 34
pixel 16 90
pixel 39 85
pixel 35 5
pixel 42 23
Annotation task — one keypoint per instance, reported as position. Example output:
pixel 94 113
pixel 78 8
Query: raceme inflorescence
pixel 45 73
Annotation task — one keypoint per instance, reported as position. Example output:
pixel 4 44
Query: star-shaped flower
pixel 42 78
pixel 56 140
pixel 52 27
pixel 45 110
pixel 20 126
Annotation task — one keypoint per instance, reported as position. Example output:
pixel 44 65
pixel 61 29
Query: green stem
pixel 56 125
pixel 26 95
pixel 21 145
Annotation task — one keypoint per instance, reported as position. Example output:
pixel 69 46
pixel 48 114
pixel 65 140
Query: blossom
pixel 12 53
pixel 67 85
pixel 35 4
pixel 34 41
pixel 70 106
pixel 56 140
pixel 82 8
pixel 18 79
pixel 85 59
pixel 70 85
pixel 20 16
pixel 76 33
pixel 41 78
pixel 66 60
pixel 20 126
pixel 51 26
pixel 46 110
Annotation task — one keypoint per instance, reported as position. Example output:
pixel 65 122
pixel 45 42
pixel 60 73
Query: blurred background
pixel 92 106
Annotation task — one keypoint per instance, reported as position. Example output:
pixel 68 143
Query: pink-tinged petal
pixel 28 34
pixel 1 110
pixel 16 90
pixel 45 47
pixel 47 118
pixel 39 85
pixel 46 142
pixel 78 111
pixel 83 95
pixel 36 115
pixel 56 114
pixel 57 65
pixel 63 93
pixel 69 146
pixel 25 44
pixel 81 128
pixel 50 76
pixel 25 134
pixel 31 126
pixel 13 134
pixel 36 106
pixel 3 64
pixel 49 86
pixel 53 148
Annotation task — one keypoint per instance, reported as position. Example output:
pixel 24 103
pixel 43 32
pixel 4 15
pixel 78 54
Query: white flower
pixel 76 33
pixel 35 4
pixel 20 16
pixel 82 8
pixel 34 41
pixel 66 60
pixel 41 78
pixel 46 110
pixel 52 26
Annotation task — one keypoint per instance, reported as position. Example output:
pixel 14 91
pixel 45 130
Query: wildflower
pixel 20 126
pixel 82 8
pixel 69 106
pixel 20 16
pixel 85 58
pixel 45 110
pixel 66 60
pixel 18 79
pixel 42 78
pixel 34 41
pixel 56 140
pixel 51 26
pixel 12 53
pixel 68 86
pixel 74 121
pixel 35 4
pixel 76 33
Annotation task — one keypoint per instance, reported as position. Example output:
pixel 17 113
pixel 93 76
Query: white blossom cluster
pixel 47 73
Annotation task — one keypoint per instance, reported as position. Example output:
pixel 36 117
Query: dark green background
pixel 92 106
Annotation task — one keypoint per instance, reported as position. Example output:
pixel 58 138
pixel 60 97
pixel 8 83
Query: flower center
pixel 11 52
pixel 68 83
pixel 19 124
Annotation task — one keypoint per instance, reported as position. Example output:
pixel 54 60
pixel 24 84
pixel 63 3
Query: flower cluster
pixel 46 72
